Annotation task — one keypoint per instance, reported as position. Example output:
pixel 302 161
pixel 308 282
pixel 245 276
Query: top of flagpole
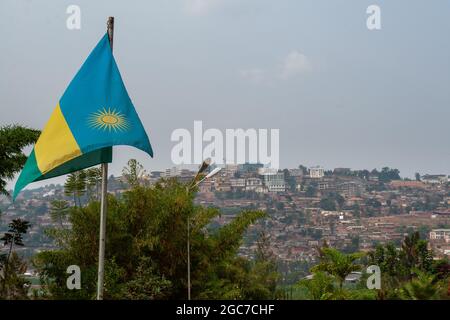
pixel 110 30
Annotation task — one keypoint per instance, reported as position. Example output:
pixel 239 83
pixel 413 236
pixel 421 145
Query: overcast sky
pixel 341 95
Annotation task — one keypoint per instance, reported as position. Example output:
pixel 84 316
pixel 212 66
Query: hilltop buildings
pixel 350 210
pixel 316 172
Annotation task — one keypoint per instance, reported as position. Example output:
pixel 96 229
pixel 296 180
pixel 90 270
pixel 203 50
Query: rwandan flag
pixel 94 114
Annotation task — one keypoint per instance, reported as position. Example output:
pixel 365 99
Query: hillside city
pixel 351 210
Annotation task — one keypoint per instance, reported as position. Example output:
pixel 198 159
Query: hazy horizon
pixel 341 95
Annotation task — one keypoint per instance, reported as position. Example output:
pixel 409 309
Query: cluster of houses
pixel 440 242
pixel 364 211
pixel 246 177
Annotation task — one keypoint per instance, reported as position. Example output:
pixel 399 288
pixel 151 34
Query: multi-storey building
pixel 275 182
pixel 252 184
pixel 435 178
pixel 440 234
pixel 316 172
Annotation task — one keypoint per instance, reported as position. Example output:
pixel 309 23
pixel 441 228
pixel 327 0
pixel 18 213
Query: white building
pixel 316 172
pixel 435 178
pixel 264 171
pixel 275 182
pixel 440 234
pixel 252 184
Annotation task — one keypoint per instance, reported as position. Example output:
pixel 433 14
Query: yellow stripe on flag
pixel 56 145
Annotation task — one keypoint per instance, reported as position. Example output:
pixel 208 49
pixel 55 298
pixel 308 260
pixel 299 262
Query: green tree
pixel 59 209
pixel 59 212
pixel 389 259
pixel 14 236
pixel 12 140
pixel 400 266
pixel 387 174
pixel 311 190
pixel 304 169
pixel 76 185
pixel 133 172
pixel 13 283
pixel 415 253
pixel 338 264
pixel 146 254
pixel 145 284
pixel 320 287
pixel 327 204
pixel 265 267
pixel 289 180
pixel 93 182
pixel 9 267
pixel 422 287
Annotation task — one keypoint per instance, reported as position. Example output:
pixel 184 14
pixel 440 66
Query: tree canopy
pixel 146 250
pixel 13 138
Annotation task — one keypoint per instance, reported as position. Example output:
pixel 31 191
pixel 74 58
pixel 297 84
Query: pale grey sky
pixel 341 95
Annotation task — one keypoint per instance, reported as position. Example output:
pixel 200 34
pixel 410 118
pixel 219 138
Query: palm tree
pixel 422 287
pixel 17 228
pixel 338 264
pixel 415 253
pixel 76 185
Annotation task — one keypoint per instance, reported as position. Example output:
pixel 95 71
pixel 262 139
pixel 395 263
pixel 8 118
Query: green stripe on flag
pixel 31 173
pixel 82 162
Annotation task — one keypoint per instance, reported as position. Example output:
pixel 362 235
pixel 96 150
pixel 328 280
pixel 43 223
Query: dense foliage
pixel 146 254
pixel 408 273
pixel 13 284
pixel 12 140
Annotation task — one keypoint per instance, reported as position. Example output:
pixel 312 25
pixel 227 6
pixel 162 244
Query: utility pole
pixel 194 183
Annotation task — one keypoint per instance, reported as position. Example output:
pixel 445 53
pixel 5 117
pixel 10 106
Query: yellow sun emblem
pixel 110 120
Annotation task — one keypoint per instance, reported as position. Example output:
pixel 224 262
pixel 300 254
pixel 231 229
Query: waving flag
pixel 94 114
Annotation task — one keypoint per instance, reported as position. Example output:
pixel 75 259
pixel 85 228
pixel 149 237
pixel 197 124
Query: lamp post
pixel 194 183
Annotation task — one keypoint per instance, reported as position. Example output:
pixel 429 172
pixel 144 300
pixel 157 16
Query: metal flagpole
pixel 104 207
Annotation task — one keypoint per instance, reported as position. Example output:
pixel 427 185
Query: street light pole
pixel 195 182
